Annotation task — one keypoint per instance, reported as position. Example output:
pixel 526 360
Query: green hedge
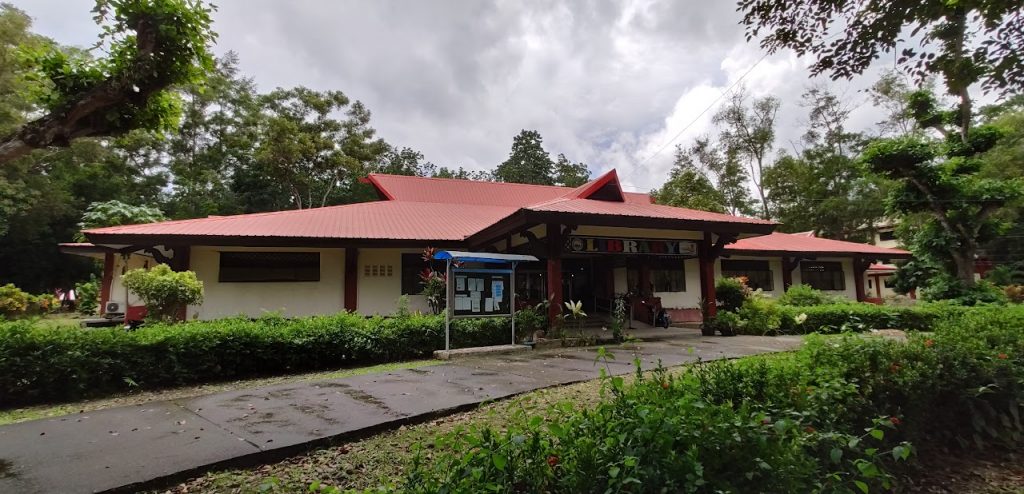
pixel 840 415
pixel 846 317
pixel 38 363
pixel 840 318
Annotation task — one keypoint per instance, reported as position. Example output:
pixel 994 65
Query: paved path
pixel 121 447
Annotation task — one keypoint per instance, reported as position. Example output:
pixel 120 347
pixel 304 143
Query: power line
pixel 709 107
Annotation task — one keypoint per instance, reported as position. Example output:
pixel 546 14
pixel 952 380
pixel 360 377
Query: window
pixel 823 275
pixel 887 235
pixel 668 275
pixel 237 267
pixel 412 266
pixel 889 282
pixel 757 273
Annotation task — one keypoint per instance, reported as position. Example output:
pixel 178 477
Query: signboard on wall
pixel 633 246
pixel 481 292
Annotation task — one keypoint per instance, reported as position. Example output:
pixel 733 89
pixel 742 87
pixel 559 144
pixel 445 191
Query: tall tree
pixel 313 155
pixel 528 163
pixel 823 188
pixel 215 136
pixel 941 177
pixel 15 36
pixel 688 186
pixel 463 174
pixel 404 161
pixel 964 42
pixel 748 131
pixel 152 45
pixel 569 174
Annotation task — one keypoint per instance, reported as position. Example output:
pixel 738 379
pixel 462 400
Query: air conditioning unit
pixel 113 308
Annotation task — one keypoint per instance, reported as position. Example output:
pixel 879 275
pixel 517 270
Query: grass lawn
pixel 10 416
pixel 63 319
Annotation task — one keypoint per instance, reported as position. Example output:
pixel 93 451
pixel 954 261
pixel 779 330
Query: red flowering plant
pixel 434 282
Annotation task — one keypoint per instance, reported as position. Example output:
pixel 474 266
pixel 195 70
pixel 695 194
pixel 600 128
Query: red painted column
pixel 351 278
pixel 859 267
pixel 554 241
pixel 108 279
pixel 707 276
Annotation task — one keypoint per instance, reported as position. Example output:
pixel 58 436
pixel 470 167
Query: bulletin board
pixel 481 292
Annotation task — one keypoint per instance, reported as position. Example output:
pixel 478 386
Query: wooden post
pixel 351 278
pixel 859 267
pixel 108 280
pixel 554 241
pixel 706 261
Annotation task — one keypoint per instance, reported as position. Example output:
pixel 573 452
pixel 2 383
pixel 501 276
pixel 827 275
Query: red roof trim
pixel 370 179
pixel 589 189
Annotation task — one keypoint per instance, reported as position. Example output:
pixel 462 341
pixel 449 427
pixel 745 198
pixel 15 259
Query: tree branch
pixel 84 115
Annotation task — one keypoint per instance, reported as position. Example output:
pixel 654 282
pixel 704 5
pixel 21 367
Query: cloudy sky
pixel 615 84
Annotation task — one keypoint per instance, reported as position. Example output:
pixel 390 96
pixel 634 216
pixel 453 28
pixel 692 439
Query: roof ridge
pixel 471 181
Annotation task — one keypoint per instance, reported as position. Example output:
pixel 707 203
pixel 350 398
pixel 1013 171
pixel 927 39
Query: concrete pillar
pixel 706 262
pixel 554 244
pixel 108 280
pixel 788 265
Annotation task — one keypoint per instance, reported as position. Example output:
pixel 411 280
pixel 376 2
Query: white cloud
pixel 605 82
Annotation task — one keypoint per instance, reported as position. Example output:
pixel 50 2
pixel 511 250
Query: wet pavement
pixel 123 447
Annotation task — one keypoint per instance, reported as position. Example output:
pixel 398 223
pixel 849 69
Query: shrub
pixel 804 295
pixel 839 415
pixel 13 301
pixel 528 321
pixel 164 291
pixel 43 304
pixel 40 363
pixel 730 293
pixel 725 322
pixel 87 296
pixel 1014 293
pixel 760 316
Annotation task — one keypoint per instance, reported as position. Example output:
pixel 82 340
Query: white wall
pixel 774 264
pixel 851 285
pixel 379 294
pixel 118 293
pixel 689 299
pixel 256 298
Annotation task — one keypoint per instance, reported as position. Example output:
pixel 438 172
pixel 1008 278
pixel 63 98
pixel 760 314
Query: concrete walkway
pixel 123 447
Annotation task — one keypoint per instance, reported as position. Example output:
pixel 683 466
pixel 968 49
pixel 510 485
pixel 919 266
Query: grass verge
pixel 22 414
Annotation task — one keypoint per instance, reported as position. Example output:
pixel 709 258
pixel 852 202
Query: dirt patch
pixel 362 396
pixel 7 469
pixel 989 471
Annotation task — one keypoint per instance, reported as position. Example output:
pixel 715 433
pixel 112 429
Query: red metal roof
pixel 456 191
pixel 797 243
pixel 397 220
pixel 882 268
pixel 610 208
pixel 427 209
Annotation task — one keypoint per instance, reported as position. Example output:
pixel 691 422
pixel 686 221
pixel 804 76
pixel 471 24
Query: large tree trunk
pixel 965 267
pixel 13 148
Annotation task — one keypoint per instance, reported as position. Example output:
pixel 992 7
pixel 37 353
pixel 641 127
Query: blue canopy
pixel 485 257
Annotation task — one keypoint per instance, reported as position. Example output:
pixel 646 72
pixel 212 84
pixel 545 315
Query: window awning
pixel 484 257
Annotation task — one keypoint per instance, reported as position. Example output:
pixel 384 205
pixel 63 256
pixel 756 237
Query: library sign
pixel 645 246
